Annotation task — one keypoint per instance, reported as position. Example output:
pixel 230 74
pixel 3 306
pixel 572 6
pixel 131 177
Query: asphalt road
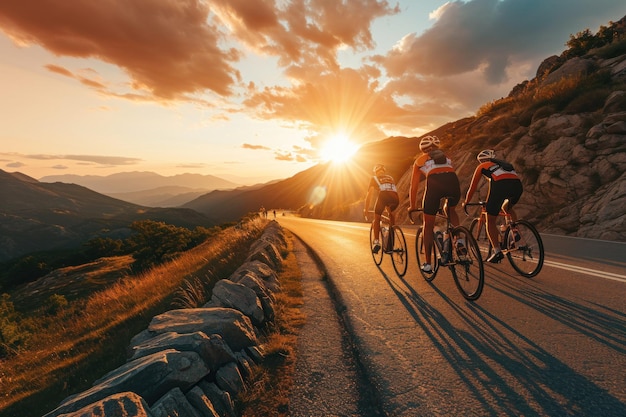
pixel 552 345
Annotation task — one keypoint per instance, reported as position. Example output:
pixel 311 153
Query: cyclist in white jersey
pixel 384 187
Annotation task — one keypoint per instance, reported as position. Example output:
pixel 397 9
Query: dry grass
pixel 270 386
pixel 82 342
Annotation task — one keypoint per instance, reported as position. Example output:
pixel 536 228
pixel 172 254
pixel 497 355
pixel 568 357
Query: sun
pixel 338 149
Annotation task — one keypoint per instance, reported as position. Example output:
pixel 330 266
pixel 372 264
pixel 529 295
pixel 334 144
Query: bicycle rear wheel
pixel 378 257
pixel 420 254
pixel 525 252
pixel 467 266
pixel 399 254
pixel 479 232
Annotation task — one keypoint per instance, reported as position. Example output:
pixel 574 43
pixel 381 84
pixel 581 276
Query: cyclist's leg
pixel 427 231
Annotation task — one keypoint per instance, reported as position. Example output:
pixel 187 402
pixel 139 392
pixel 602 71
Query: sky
pixel 256 90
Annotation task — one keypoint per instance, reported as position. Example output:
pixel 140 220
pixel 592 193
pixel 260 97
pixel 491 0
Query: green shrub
pixel 12 335
pixel 56 303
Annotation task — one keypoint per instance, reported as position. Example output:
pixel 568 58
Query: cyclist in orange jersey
pixel 504 184
pixel 441 181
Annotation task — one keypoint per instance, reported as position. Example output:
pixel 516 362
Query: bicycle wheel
pixel 399 254
pixel 467 266
pixel 378 257
pixel 421 257
pixel 478 230
pixel 525 252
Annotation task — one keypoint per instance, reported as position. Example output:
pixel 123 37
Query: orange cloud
pixel 167 47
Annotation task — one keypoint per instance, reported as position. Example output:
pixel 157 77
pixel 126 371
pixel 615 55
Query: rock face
pixel 192 362
pixel 572 163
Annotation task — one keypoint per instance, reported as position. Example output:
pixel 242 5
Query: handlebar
pixel 480 203
pixel 411 214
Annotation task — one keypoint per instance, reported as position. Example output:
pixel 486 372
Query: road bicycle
pixel 460 254
pixel 392 242
pixel 519 241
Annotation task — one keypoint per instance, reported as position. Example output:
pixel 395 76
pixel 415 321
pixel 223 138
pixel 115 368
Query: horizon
pixel 253 94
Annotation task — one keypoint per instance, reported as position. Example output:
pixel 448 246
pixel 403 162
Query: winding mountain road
pixel 552 345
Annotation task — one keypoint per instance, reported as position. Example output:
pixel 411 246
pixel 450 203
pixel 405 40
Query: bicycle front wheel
pixel 478 230
pixel 399 254
pixel 525 249
pixel 378 256
pixel 467 266
pixel 420 254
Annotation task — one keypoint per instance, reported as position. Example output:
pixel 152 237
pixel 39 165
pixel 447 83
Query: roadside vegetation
pixel 61 346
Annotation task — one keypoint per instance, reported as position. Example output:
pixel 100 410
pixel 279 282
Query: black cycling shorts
pixel 499 191
pixel 439 186
pixel 386 198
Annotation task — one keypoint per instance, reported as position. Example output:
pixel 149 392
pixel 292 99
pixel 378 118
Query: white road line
pixel 573 268
pixel 599 274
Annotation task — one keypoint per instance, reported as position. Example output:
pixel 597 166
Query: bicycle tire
pixel 378 256
pixel 421 258
pixel 527 258
pixel 481 237
pixel 467 269
pixel 399 253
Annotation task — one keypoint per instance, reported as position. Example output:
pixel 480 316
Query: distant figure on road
pixel 384 187
pixel 504 184
pixel 274 211
pixel 441 181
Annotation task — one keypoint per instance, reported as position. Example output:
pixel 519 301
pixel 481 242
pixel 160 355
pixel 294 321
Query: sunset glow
pixel 251 93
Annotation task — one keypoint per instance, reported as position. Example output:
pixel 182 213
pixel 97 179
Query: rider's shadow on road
pixel 503 368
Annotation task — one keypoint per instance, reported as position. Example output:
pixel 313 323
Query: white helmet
pixel 486 155
pixel 378 167
pixel 428 141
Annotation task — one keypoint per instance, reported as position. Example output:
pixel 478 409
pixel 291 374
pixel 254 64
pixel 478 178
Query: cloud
pixel 169 48
pixel 255 147
pixel 97 159
pixel 491 36
pixel 15 165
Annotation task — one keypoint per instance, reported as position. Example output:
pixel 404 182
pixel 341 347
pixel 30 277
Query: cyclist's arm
pixel 416 175
pixel 473 183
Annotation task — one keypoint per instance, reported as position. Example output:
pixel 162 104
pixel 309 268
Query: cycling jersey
pixel 383 183
pixel 503 185
pixel 428 166
pixel 496 172
pixel 388 194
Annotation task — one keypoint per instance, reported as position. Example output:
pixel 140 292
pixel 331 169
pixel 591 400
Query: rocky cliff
pixel 565 131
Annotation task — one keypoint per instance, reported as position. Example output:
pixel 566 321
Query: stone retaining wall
pixel 192 362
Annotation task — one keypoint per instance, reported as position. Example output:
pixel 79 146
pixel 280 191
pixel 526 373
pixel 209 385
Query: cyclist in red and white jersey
pixel 441 181
pixel 384 187
pixel 504 184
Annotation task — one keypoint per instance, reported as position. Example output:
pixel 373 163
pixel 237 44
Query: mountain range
pixel 37 216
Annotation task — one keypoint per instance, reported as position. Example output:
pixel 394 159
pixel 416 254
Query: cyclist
pixel 441 181
pixel 504 184
pixel 382 185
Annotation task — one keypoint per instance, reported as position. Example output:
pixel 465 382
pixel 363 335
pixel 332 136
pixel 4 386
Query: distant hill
pixel 36 216
pixel 564 130
pixel 324 190
pixel 148 188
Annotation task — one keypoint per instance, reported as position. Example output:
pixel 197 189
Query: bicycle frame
pixel 467 270
pixel 393 243
pixel 520 240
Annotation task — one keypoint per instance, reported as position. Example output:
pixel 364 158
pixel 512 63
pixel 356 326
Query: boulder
pixel 150 377
pixel 232 295
pixel 232 325
pixel 212 349
pixel 174 403
pixel 127 404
